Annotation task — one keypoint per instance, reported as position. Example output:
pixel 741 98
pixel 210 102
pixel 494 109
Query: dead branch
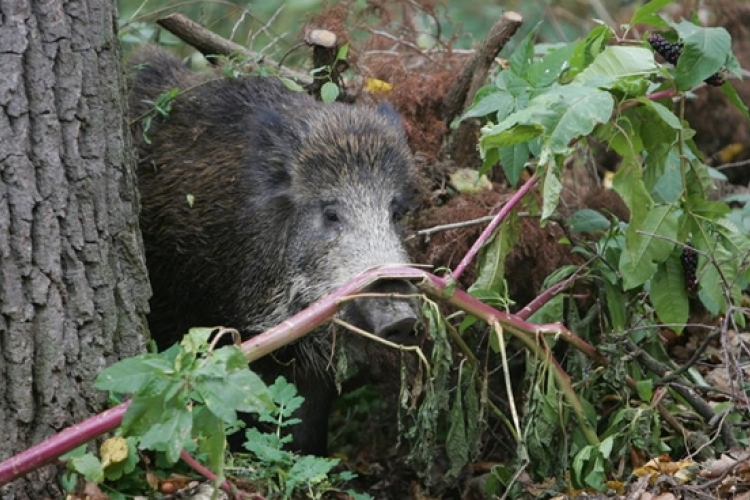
pixel 474 73
pixel 209 43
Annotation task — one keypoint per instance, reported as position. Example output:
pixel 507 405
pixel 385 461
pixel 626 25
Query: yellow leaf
pixel 374 86
pixel 113 450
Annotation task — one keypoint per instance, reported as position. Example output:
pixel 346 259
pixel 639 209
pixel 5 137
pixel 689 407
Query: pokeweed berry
pixel 689 259
pixel 671 53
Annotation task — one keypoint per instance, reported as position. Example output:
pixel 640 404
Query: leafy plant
pixel 555 101
pixel 187 398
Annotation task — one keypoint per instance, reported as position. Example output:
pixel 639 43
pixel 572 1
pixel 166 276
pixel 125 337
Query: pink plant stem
pixel 544 297
pixel 510 205
pixel 61 443
pixel 205 472
pixel 662 94
pixel 299 325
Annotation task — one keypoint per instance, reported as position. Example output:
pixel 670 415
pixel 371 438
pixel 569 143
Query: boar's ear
pixel 274 141
pixel 386 110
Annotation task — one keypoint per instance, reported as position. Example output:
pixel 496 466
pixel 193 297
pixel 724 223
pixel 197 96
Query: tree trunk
pixel 73 283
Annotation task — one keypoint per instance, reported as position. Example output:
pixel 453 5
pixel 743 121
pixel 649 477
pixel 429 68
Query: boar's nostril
pixel 401 331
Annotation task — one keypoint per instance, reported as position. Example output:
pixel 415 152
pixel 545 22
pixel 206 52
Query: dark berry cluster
pixel 668 50
pixel 671 53
pixel 689 259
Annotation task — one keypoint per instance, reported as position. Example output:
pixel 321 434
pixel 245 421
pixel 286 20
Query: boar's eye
pixel 398 210
pixel 331 217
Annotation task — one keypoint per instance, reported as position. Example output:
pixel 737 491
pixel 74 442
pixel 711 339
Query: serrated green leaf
pixel 142 413
pixel 329 92
pixel 267 447
pixel 132 374
pixel 209 432
pixel 587 221
pixel 239 391
pixel 89 466
pixel 310 470
pixel 169 436
pixel 196 339
pixel 669 295
pixel 116 470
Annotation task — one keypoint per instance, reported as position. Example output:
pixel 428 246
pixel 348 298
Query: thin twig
pixel 210 44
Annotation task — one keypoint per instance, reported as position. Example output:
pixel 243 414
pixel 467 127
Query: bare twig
pixel 474 73
pixel 209 43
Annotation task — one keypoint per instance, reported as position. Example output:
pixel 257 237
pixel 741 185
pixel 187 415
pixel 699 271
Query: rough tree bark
pixel 73 284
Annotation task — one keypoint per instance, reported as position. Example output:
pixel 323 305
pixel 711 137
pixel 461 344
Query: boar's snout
pixel 394 316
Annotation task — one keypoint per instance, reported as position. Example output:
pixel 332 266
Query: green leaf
pixel 456 444
pixel 491 268
pixel 645 389
pixel 285 396
pixel 89 466
pixel 628 183
pixel 267 447
pixel 509 134
pixel 133 374
pixel 551 190
pixel 292 85
pixel 310 470
pixel 514 160
pixel 647 245
pixel 171 435
pixel 735 99
pixel 497 102
pixel 669 295
pixel 116 470
pixel 523 54
pixel 581 109
pixel 588 221
pixel 589 48
pixel 646 14
pixel 240 390
pixel 617 62
pixel 209 432
pixel 616 306
pixel 329 92
pixel 547 70
pixel 706 50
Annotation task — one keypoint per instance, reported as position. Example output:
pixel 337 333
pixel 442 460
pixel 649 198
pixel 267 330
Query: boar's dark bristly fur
pixel 256 201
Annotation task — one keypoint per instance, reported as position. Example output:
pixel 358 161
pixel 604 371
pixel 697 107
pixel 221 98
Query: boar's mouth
pixel 394 316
